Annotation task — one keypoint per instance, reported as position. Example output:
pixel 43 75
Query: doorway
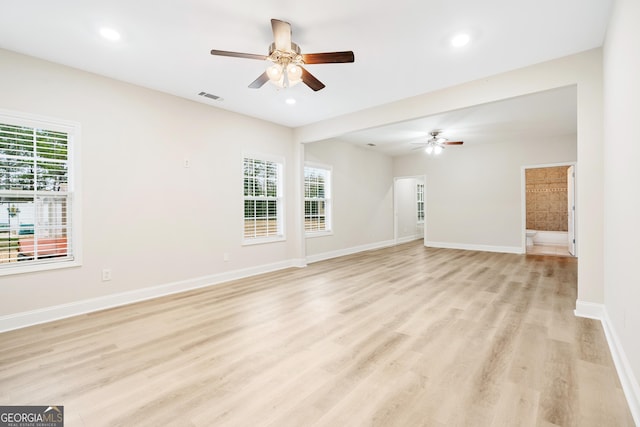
pixel 549 210
pixel 409 208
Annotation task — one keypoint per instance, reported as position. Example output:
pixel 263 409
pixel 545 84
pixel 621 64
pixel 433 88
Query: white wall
pixel 474 192
pixel 146 217
pixel 622 180
pixel 362 186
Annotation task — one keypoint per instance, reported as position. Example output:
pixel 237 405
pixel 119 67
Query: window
pixel 420 201
pixel 317 199
pixel 263 216
pixel 36 194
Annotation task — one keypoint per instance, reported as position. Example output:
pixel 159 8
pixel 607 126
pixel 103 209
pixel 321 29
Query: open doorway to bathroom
pixel 549 210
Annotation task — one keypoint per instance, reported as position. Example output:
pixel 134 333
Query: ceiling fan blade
pixel 237 54
pixel 328 57
pixel 281 34
pixel 260 81
pixel 452 143
pixel 311 81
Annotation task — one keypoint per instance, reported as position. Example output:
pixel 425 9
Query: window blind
pixel 420 201
pixel 317 200
pixel 35 202
pixel 262 198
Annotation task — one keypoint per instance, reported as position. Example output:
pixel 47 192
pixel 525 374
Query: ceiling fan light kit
pixel 436 143
pixel 434 149
pixel 286 69
pixel 282 77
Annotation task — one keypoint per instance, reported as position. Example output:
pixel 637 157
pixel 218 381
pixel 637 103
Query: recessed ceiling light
pixel 290 101
pixel 110 34
pixel 460 40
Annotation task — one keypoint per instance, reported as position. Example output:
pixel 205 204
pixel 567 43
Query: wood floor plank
pixel 518 407
pixel 401 336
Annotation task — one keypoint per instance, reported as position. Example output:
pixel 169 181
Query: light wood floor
pixel 404 336
pixel 557 250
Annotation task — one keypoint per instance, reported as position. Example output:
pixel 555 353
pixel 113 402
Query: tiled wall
pixel 547 198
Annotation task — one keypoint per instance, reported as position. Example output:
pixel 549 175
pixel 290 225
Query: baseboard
pixel 299 262
pixel 551 238
pixel 408 239
pixel 349 251
pixel 623 367
pixel 49 314
pixel 589 310
pixel 471 247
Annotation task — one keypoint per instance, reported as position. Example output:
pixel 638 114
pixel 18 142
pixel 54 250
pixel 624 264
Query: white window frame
pixel 279 199
pixel 420 203
pixel 73 193
pixel 328 200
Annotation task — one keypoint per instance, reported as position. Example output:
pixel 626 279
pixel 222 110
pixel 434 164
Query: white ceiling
pixel 523 119
pixel 401 48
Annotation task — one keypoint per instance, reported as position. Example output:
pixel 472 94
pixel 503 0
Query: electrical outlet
pixel 225 256
pixel 106 274
pixel 186 163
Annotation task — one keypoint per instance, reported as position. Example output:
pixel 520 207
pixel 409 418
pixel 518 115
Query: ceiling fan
pixel 435 144
pixel 287 60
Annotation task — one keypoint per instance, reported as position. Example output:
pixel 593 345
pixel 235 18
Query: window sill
pixel 44 266
pixel 312 234
pixel 262 240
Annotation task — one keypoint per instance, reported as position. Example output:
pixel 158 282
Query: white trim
pixel 267 157
pixel 299 262
pixel 73 130
pixel 49 314
pixel 262 240
pixel 314 234
pixel 43 266
pixel 549 165
pixel 543 237
pixel 318 165
pixel 472 247
pixel 589 310
pixel 625 373
pixel 53 123
pixel 623 367
pixel 349 251
pixel 408 239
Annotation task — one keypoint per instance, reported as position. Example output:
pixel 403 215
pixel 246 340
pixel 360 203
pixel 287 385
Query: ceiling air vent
pixel 211 96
